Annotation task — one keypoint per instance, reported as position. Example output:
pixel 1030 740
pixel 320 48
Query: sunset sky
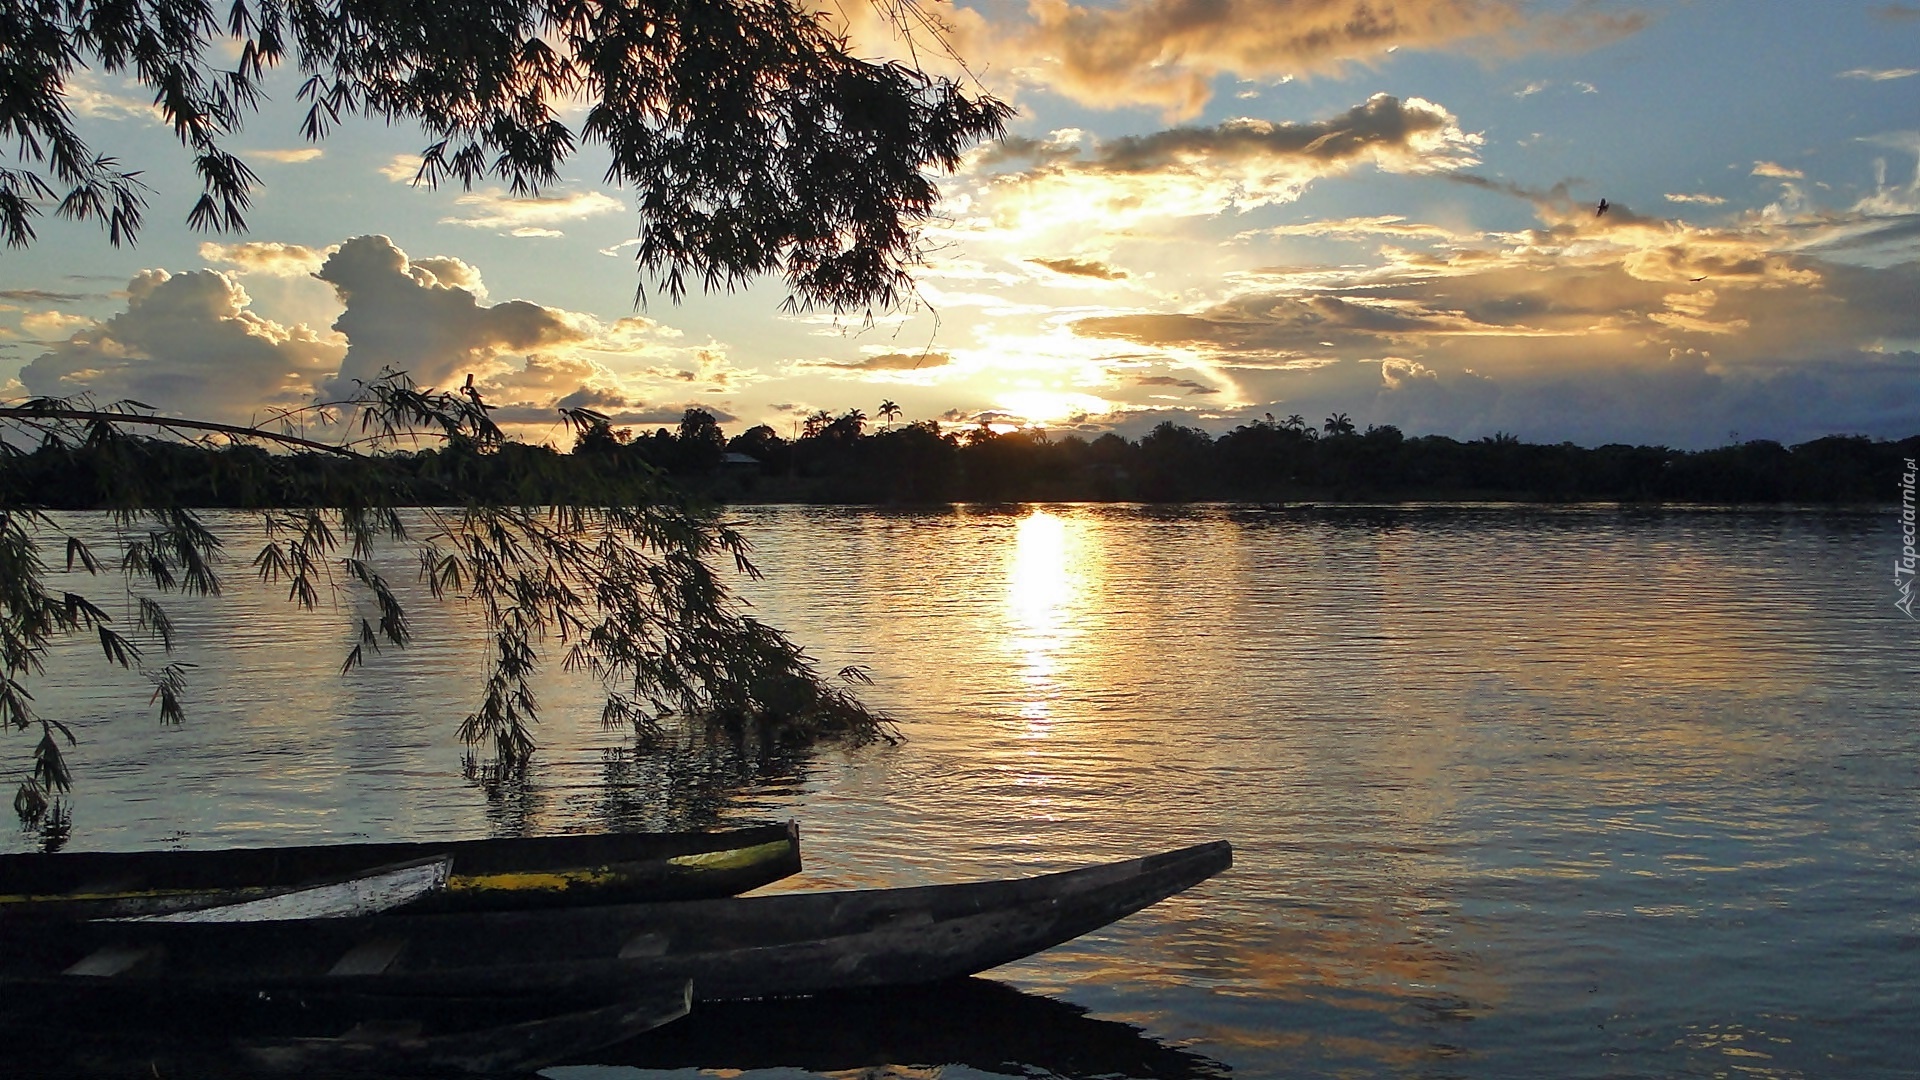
pixel 1204 212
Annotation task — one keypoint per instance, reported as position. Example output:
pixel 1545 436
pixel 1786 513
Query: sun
pixel 1043 407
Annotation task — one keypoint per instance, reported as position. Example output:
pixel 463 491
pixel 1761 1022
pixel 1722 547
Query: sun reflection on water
pixel 1045 585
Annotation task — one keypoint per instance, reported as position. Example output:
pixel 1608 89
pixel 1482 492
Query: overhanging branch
pixel 171 422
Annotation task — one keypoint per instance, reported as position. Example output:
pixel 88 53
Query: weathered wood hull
pixel 733 948
pixel 144 1028
pixel 518 874
pixel 380 889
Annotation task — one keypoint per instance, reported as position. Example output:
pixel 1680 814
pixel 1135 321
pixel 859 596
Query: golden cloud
pixel 1167 53
pixel 1200 171
pixel 268 257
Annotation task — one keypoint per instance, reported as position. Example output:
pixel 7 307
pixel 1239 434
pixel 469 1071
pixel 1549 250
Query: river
pixel 1513 792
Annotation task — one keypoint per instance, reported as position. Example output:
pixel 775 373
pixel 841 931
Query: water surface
pixel 1514 792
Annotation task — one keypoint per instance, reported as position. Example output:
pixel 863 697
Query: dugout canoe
pixel 520 873
pixel 370 893
pixel 790 944
pixel 97 1027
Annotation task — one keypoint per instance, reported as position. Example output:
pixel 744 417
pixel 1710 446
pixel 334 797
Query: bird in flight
pixel 1602 208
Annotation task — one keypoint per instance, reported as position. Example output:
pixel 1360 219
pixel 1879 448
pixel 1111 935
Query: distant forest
pixel 844 459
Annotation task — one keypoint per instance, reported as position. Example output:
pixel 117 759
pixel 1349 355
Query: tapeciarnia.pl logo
pixel 1904 565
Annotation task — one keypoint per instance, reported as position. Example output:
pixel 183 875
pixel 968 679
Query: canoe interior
pixel 794 943
pixel 524 873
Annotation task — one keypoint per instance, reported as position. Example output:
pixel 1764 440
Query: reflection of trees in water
pixel 688 781
pixel 977 1023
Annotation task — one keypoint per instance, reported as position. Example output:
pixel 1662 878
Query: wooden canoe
pixel 380 889
pixel 145 1028
pixel 518 873
pixel 733 948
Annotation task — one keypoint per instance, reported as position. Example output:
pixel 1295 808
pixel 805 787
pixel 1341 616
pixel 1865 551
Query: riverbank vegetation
pixel 842 460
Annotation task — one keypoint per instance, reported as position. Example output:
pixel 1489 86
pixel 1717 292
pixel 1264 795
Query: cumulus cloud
pixel 193 343
pixel 1166 53
pixel 1086 268
pixel 1243 163
pixel 402 316
pixel 188 342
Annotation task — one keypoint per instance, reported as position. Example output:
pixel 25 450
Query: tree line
pixel 847 459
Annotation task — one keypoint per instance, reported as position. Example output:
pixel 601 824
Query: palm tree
pixel 1296 422
pixel 817 422
pixel 854 419
pixel 1339 424
pixel 889 412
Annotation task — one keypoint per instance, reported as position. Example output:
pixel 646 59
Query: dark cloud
pixel 1383 121
pixel 1381 126
pixel 1014 148
pixel 41 296
pixel 1285 326
pixel 1190 386
pixel 1088 268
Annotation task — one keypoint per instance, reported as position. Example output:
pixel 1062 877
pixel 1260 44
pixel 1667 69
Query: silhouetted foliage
pixel 595 552
pixel 756 142
pixel 840 462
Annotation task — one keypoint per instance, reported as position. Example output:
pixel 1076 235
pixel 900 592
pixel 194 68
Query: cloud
pixel 1622 327
pixel 188 343
pixel 1393 225
pixel 1087 268
pixel 85 96
pixel 1167 53
pixel 528 215
pixel 53 324
pixel 402 168
pixel 1238 164
pixel 1189 385
pixel 1702 199
pixel 1879 74
pixel 890 361
pixel 193 343
pixel 297 156
pixel 403 316
pixel 267 257
pixel 41 296
pixel 1896 13
pixel 1776 171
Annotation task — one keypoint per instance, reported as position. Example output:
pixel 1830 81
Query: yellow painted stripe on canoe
pixel 729 859
pixel 528 881
pixel 734 858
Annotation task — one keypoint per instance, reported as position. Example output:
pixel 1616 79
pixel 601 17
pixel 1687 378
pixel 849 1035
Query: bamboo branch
pixel 168 422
